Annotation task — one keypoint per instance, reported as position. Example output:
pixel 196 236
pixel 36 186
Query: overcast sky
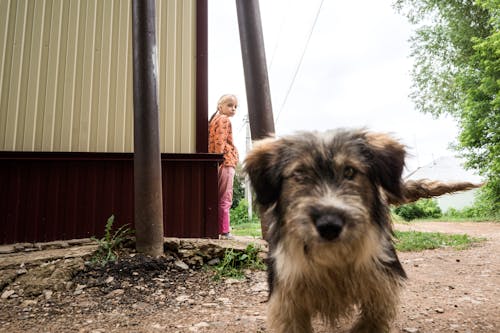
pixel 355 71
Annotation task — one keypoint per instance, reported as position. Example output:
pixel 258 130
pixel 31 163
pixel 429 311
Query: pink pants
pixel 226 177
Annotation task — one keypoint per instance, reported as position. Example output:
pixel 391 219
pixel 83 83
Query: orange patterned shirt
pixel 220 139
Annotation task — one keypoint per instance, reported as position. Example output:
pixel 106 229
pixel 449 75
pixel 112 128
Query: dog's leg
pixel 287 315
pixel 374 320
pixel 377 314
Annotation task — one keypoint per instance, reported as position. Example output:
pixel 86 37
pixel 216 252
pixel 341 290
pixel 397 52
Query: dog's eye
pixel 349 173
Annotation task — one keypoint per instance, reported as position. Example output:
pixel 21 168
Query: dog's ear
pixel 387 159
pixel 264 165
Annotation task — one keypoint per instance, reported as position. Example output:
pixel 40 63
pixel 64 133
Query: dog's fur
pixel 325 198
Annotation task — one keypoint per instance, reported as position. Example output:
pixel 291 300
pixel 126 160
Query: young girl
pixel 220 141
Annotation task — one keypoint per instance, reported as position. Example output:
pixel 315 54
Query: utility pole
pixel 260 110
pixel 148 204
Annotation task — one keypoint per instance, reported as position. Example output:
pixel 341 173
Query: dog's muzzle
pixel 329 225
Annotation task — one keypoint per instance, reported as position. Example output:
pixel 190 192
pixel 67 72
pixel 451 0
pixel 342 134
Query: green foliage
pixel 234 262
pixel 419 241
pixel 110 243
pixel 423 208
pixel 456 49
pixel 482 210
pixel 239 214
pixel 238 190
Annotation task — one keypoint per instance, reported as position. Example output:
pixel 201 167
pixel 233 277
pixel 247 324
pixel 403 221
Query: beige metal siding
pixel 66 75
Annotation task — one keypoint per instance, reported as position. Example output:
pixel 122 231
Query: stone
pixel 7 249
pixel 410 330
pixel 182 298
pixel 213 262
pixel 47 294
pixel 8 293
pixel 181 265
pixel 115 293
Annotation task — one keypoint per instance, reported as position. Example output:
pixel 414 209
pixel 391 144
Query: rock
pixel 109 280
pixel 6 294
pixel 232 281
pixel 7 249
pixel 29 302
pixel 116 292
pixel 181 265
pixel 439 310
pixel 259 287
pixel 182 298
pixel 47 294
pixel 410 330
pixel 140 305
pixel 210 305
pixel 213 262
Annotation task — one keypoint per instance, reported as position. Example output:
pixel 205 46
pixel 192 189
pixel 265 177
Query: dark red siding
pixel 56 196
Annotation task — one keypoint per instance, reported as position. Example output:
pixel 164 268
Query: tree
pixel 456 48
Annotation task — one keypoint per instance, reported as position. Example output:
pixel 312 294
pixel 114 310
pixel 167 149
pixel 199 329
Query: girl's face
pixel 228 108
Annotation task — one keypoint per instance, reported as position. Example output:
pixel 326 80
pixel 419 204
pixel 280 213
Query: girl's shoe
pixel 226 235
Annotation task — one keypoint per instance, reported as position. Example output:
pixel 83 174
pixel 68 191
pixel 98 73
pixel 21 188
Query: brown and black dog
pixel 325 198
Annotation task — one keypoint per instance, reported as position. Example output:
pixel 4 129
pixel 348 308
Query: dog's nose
pixel 329 226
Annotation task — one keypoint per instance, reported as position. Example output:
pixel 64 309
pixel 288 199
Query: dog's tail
pixel 412 190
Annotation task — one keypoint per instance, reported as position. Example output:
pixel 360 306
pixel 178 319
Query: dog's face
pixel 325 187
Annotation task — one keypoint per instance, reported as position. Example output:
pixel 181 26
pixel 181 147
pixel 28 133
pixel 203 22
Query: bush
pixel 482 209
pixel 423 208
pixel 239 215
pixel 238 191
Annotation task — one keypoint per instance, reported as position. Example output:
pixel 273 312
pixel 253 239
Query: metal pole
pixel 248 190
pixel 147 158
pixel 260 110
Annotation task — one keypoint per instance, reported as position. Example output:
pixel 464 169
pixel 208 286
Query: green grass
pixel 406 241
pixel 247 229
pixel 418 241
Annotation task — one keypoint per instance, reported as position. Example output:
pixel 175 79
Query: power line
pixel 300 62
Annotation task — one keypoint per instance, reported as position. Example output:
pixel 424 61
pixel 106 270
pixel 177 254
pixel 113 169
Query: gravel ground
pixel 447 291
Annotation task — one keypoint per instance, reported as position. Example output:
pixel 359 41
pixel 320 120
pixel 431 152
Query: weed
pixel 234 262
pixel 110 243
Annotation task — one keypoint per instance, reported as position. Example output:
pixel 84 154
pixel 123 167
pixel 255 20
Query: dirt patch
pixel 447 291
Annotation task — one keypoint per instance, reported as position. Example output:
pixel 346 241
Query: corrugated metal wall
pixel 66 75
pixel 56 196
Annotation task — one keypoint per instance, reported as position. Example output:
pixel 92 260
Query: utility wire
pixel 300 62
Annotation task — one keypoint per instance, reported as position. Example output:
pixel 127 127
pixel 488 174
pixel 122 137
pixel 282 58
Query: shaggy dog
pixel 325 198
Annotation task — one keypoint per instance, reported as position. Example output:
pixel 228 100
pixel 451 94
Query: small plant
pixel 110 243
pixel 234 262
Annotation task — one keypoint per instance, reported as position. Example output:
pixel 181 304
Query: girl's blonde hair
pixel 223 99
